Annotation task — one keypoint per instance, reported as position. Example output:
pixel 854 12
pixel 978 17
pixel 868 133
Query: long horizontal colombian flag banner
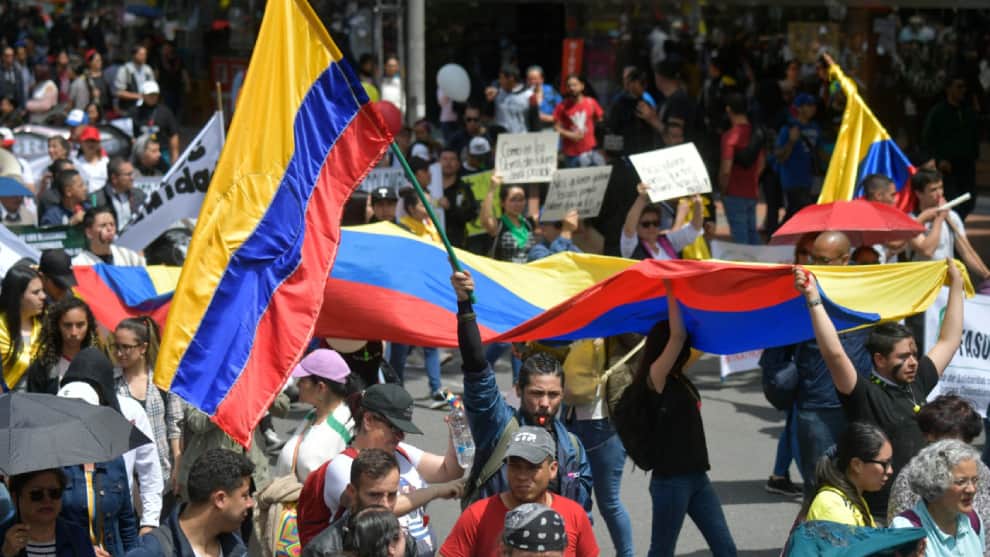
pixel 863 147
pixel 388 284
pixel 303 136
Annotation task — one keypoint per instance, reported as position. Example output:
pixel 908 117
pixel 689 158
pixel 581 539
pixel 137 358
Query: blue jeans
pixel 607 457
pixel 741 214
pixel 691 495
pixel 787 448
pixel 817 430
pixel 431 359
pixel 496 350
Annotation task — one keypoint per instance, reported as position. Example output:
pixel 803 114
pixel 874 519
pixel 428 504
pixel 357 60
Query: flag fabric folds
pixel 302 137
pixel 115 293
pixel 863 147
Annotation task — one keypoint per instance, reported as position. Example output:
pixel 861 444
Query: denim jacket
pixel 114 501
pixel 70 540
pixel 488 414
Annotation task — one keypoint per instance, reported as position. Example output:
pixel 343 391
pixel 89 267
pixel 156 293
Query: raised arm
pixel 487 217
pixel 839 365
pixel 632 216
pixel 967 253
pixel 660 368
pixel 952 323
pixel 927 242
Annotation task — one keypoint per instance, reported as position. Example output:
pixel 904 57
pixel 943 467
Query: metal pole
pixel 416 65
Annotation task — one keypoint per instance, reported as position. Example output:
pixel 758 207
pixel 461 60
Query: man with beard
pixel 219 501
pixel 458 201
pixel 493 422
pixel 100 228
pixel 901 380
pixel 531 465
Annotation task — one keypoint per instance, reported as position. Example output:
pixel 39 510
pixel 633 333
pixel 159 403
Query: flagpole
pixel 223 124
pixel 455 264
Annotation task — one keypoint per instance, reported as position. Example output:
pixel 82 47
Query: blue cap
pixel 11 187
pixel 803 99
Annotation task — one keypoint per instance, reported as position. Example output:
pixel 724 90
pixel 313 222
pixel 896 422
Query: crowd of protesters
pixel 871 452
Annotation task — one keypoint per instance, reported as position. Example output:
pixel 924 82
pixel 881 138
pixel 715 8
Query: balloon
pixel 454 82
pixel 390 113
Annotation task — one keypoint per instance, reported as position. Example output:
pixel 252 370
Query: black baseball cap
pixel 392 402
pixel 384 193
pixel 57 265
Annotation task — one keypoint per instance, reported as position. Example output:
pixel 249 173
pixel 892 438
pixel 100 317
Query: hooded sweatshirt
pixel 93 367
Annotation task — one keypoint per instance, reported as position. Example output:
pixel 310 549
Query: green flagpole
pixel 455 264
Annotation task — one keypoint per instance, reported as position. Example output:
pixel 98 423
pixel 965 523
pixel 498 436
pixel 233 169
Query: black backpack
pixel 635 419
pixel 748 156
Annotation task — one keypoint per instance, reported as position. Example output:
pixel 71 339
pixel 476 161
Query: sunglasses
pixel 38 495
pixel 650 224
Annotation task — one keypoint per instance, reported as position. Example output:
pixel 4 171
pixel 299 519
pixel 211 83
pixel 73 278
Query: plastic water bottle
pixel 460 432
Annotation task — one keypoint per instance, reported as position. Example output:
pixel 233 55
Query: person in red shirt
pixel 531 459
pixel 575 120
pixel 738 183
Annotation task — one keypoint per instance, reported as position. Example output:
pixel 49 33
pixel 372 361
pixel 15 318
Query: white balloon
pixel 453 80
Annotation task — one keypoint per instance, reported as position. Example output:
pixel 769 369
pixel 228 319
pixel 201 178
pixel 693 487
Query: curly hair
pixel 50 343
pixel 930 472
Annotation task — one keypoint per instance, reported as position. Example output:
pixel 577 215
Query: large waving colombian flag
pixel 303 136
pixel 863 147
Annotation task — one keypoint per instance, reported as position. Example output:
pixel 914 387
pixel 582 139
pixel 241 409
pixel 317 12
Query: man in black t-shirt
pixel 901 380
pixel 154 118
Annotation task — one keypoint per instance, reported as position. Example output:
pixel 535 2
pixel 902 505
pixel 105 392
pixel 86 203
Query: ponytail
pixel 147 332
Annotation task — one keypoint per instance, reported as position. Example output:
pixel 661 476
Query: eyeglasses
pixel 124 347
pixel 884 463
pixel 961 482
pixel 468 119
pixel 650 224
pixel 38 495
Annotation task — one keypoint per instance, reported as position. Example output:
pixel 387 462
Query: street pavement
pixel 742 430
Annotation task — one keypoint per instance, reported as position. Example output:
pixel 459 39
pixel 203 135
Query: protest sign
pixel 672 172
pixel 968 374
pixel 581 189
pixel 479 184
pixel 69 238
pixel 182 190
pixel 526 157
pixel 148 184
pixel 388 177
pixel 728 251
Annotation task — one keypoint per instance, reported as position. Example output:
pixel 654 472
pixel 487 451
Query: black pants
pixel 774 197
pixel 796 199
pixel 962 179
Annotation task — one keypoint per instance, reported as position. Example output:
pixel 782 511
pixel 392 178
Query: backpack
pixel 635 419
pixel 915 520
pixel 480 475
pixel 747 156
pixel 163 535
pixel 592 371
pixel 780 386
pixel 312 513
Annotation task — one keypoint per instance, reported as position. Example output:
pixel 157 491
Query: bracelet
pixel 464 317
pixel 815 302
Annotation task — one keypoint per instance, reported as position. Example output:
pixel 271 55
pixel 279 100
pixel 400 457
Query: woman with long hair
pixel 324 382
pixel 862 462
pixel 39 530
pixel 512 233
pixel 22 300
pixel 374 532
pixel 135 347
pixel 680 485
pixel 67 328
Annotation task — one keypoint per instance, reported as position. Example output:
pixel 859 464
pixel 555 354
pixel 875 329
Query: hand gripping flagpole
pixel 455 264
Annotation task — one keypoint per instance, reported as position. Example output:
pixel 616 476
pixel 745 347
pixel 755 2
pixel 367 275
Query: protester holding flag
pixel 22 300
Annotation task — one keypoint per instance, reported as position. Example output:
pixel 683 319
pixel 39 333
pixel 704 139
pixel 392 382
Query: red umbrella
pixel 865 222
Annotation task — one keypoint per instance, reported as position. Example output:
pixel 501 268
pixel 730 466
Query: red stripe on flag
pixel 104 302
pixel 287 324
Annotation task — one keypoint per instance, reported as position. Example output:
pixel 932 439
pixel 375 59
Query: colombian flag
pixel 863 147
pixel 302 138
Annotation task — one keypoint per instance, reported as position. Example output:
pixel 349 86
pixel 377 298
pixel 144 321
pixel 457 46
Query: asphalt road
pixel 742 430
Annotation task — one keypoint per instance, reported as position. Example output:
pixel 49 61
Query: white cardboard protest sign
pixel 968 374
pixel 388 177
pixel 728 251
pixel 581 189
pixel 182 190
pixel 526 157
pixel 672 172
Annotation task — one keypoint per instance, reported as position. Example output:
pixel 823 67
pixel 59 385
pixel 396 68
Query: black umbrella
pixel 41 431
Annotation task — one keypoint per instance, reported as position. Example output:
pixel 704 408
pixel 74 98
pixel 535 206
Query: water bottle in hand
pixel 460 432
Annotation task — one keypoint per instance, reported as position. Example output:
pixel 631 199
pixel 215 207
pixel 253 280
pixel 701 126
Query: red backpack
pixel 312 512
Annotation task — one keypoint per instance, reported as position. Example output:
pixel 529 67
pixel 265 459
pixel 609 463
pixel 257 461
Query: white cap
pixel 150 88
pixel 81 390
pixel 421 151
pixel 479 146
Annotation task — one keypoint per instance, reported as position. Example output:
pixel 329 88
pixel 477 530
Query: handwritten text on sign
pixel 526 157
pixel 672 172
pixel 580 189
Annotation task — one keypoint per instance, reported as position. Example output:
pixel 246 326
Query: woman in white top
pixel 324 382
pixel 641 234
